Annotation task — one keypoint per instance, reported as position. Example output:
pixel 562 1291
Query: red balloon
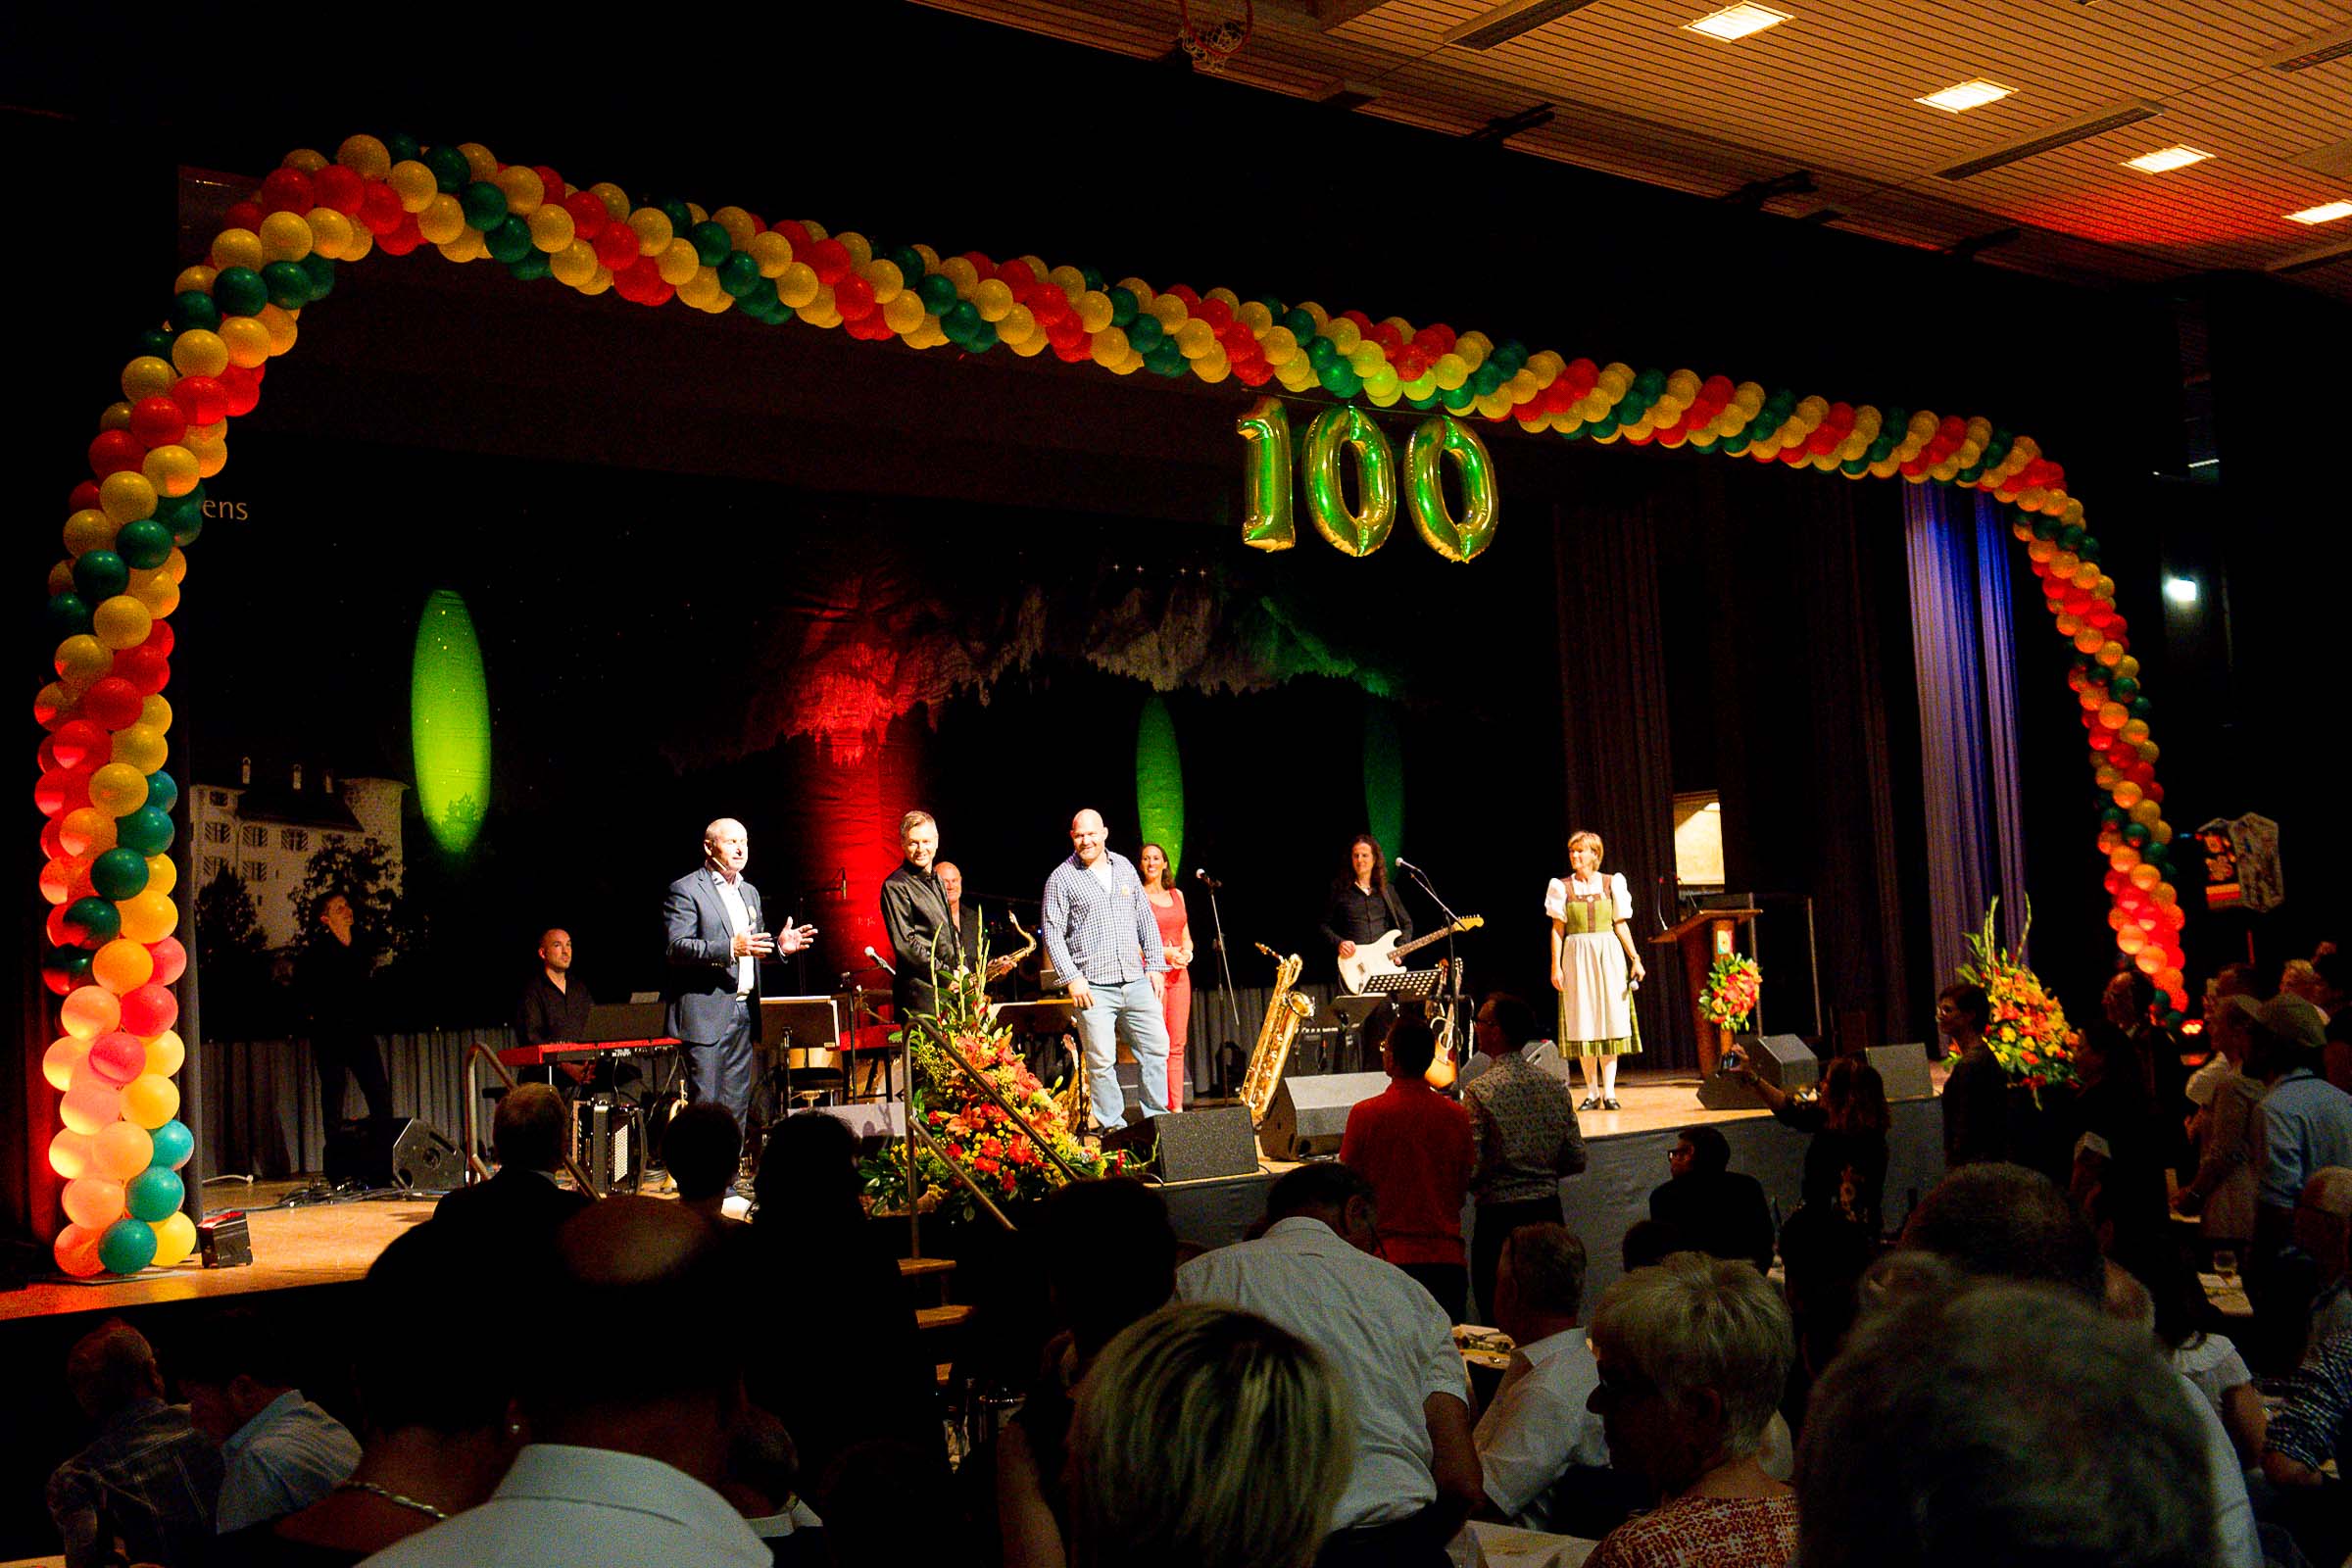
pixel 60 791
pixel 55 928
pixel 830 258
pixel 117 1057
pixel 161 639
pixel 403 238
pixel 550 183
pixel 112 703
pixel 145 668
pixel 45 755
pixel 854 298
pixel 81 744
pixel 287 190
pixel 157 422
pixel 149 1010
pixel 84 496
pixel 247 213
pixel 615 244
pixel 171 961
pixel 338 187
pixel 589 217
pixel 1015 276
pixel 1216 313
pixel 380 211
pixel 115 452
pixel 1184 292
pixel 203 399
pixel 243 385
pixel 794 231
pixel 53 838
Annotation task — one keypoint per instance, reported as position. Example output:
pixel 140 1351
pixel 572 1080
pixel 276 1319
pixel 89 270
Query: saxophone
pixel 1285 1009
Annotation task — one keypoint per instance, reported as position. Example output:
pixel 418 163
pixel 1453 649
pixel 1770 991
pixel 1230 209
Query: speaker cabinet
pixel 1784 1061
pixel 394 1151
pixel 1309 1116
pixel 1198 1146
pixel 1904 1069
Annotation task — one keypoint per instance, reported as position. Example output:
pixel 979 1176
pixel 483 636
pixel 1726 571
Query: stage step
pixel 952 1316
pixel 915 1267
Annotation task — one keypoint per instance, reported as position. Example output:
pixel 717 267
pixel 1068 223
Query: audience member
pixel 1648 1242
pixel 2312 1425
pixel 2118 1172
pixel 2333 970
pixel 1108 1254
pixel 1524 1133
pixel 2306 1121
pixel 625 1458
pixel 1416 1474
pixel 811 1258
pixel 1714 1208
pixel 2210 1361
pixel 1976 1094
pixel 1206 1437
pixel 2002 1221
pixel 434 1416
pixel 2226 1129
pixel 522 1205
pixel 1693 1355
pixel 1539 1428
pixel 1413 1145
pixel 762 1483
pixel 2322 1234
pixel 279 1452
pixel 1935 1438
pixel 2230 980
pixel 144 1488
pixel 1837 1213
pixel 2128 1007
pixel 2300 978
pixel 702 1148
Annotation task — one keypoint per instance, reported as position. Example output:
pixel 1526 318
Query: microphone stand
pixel 1233 1008
pixel 1453 965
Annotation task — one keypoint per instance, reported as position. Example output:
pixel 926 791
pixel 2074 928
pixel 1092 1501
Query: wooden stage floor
pixel 324 1244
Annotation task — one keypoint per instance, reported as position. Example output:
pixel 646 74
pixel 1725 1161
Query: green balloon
pixel 534 266
pixel 320 271
pixel 450 170
pixel 154 1194
pixel 939 293
pixel 143 544
pixel 182 515
pixel 96 919
pixel 739 275
pixel 507 240
pixel 127 1246
pixel 1431 442
pixel 1122 309
pixel 153 343
pixel 99 575
pixel 146 830
pixel 68 616
pixel 680 216
pixel 710 242
pixel 1145 333
pixel 401 147
pixel 1350 533
pixel 163 791
pixel 288 284
pixel 195 311
pixel 486 205
pixel 119 873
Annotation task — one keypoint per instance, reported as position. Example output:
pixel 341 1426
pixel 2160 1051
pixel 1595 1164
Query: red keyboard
pixel 554 1051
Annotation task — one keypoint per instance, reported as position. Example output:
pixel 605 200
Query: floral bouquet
pixel 2027 1030
pixel 1733 987
pixel 968 1127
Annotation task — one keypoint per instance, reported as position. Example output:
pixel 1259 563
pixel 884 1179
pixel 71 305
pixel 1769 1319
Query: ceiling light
pixel 1737 21
pixel 2180 590
pixel 2325 213
pixel 2165 161
pixel 1501 24
pixel 1974 94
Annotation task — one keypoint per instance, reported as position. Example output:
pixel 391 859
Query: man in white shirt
pixel 623 1463
pixel 1538 1428
pixel 1416 1472
pixel 715 933
pixel 279 1452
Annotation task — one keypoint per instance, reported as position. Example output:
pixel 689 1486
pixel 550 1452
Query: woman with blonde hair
pixel 1594 967
pixel 1694 1353
pixel 1205 1437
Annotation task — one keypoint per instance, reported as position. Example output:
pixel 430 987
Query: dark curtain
pixel 1617 777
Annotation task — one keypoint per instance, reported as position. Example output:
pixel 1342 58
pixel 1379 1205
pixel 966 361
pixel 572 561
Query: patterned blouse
pixel 1704 1533
pixel 1524 1132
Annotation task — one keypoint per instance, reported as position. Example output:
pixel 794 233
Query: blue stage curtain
pixel 1965 659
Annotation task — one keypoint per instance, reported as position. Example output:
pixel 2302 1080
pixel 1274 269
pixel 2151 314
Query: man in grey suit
pixel 716 937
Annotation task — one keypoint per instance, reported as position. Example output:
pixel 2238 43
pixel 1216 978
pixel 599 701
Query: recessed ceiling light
pixel 2325 213
pixel 2180 590
pixel 1737 21
pixel 2165 160
pixel 1974 94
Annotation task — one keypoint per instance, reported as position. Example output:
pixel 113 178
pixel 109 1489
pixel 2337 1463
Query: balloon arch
pixel 107 799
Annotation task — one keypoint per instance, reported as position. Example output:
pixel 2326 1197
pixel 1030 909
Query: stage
pixel 334 1243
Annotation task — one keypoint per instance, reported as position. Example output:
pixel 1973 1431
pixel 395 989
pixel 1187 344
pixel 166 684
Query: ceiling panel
pixel 1636 94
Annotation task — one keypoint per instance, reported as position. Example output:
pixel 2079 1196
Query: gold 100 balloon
pixel 1269 523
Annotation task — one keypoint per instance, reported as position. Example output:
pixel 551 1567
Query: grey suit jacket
pixel 702 967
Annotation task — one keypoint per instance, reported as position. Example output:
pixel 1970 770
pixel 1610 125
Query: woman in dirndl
pixel 1594 967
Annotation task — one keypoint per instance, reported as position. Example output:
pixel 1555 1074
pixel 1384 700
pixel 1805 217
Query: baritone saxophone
pixel 1285 1009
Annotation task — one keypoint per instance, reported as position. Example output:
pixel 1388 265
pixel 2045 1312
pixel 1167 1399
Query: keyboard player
pixel 555 1003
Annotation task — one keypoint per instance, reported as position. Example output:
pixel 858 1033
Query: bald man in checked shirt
pixel 1098 931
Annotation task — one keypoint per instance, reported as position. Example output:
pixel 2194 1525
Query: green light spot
pixel 1160 782
pixel 448 721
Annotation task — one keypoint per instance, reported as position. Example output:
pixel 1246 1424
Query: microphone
pixel 1403 865
pixel 1213 883
pixel 878 963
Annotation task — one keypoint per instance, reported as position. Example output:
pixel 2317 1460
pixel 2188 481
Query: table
pixel 1498 1546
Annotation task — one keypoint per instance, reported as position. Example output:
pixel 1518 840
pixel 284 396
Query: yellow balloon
pixel 551 228
pixel 141 747
pixel 89 529
pixel 148 378
pixel 413 184
pixel 120 789
pixel 330 231
pixel 364 156
pixel 70 1152
pixel 156 712
pixel 156 590
pixel 242 247
pixel 149 1101
pixel 126 496
pixel 149 916
pixel 83 658
pixel 174 1239
pixel 575 264
pixel 163 874
pixel 172 470
pixel 677 262
pixel 285 238
pixel 523 189
pixel 122 1150
pixel 440 220
pixel 122 964
pixel 166 1054
pixel 89 1011
pixel 652 226
pixel 58 1063
pixel 122 622
pixel 86 830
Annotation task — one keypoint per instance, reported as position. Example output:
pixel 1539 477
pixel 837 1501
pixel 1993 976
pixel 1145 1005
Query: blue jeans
pixel 1124 1010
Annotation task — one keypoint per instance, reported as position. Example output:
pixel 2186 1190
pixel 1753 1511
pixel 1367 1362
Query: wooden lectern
pixel 1703 938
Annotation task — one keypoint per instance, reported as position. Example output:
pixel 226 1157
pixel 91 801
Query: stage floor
pixel 324 1244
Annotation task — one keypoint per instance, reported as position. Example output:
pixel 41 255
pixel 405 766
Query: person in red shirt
pixel 1412 1143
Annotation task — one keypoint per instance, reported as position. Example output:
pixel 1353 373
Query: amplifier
pixel 1309 1116
pixel 607 1140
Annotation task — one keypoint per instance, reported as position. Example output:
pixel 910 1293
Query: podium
pixel 1703 938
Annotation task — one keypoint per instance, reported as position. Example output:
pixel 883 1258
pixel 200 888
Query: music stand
pixel 805 1027
pixel 1354 1013
pixel 1419 983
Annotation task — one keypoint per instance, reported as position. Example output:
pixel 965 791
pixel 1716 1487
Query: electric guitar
pixel 1379 957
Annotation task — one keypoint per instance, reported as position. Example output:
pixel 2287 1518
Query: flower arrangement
pixel 966 1125
pixel 2027 1030
pixel 1732 988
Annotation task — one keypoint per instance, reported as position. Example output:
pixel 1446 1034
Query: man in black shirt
pixel 1363 907
pixel 914 915
pixel 334 979
pixel 553 1005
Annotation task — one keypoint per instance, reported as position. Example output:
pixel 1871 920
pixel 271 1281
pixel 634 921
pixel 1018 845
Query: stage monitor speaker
pixel 869 1119
pixel 1905 1071
pixel 1784 1061
pixel 1309 1116
pixel 1199 1145
pixel 393 1151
